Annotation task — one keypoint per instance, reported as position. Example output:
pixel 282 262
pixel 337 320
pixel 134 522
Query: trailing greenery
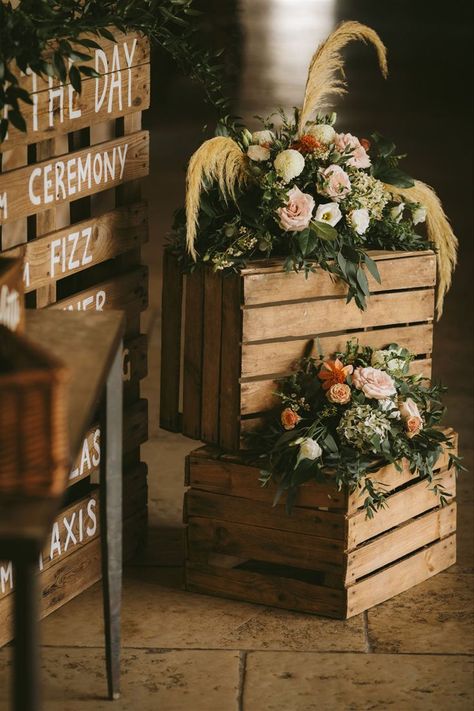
pixel 344 417
pixel 46 36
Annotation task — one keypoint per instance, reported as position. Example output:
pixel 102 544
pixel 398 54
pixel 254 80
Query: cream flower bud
pixel 359 220
pixel 263 137
pixel 396 213
pixel 419 215
pixel 289 164
pixel 330 213
pixel 310 449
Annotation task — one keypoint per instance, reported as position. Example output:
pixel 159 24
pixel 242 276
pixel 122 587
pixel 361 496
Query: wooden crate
pixel 242 332
pixel 12 307
pixel 71 208
pixel 326 558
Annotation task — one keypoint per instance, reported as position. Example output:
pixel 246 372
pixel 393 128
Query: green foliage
pixel 46 37
pixel 353 462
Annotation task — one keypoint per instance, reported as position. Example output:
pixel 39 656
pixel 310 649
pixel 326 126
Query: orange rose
pixel 339 394
pixel 413 425
pixel 289 418
pixel 412 417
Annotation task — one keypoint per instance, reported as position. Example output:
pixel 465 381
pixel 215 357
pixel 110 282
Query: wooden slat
pixel 135 359
pixel 73 249
pixel 211 360
pixel 38 187
pixel 61 110
pixel 401 506
pixel 241 480
pixel 325 316
pixel 389 477
pixel 205 504
pixel 398 542
pixel 193 345
pixel 283 592
pixel 88 460
pixel 270 545
pixel 400 273
pixel 128 292
pixel 171 303
pixel 229 436
pixel 129 50
pixel 273 358
pixel 259 395
pixel 401 576
pixel 135 430
pixel 276 264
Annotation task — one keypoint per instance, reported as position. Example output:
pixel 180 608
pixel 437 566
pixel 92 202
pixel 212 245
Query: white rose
pixel 323 133
pixel 289 164
pixel 359 220
pixel 396 213
pixel 258 153
pixel 310 449
pixel 263 137
pixel 419 215
pixel 395 364
pixel 330 213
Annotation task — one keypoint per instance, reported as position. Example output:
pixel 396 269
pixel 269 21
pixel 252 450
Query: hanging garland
pixel 47 37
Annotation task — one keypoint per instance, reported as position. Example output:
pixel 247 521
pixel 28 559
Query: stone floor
pixel 186 651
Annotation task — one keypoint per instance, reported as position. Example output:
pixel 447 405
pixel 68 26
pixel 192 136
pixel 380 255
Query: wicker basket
pixel 12 307
pixel 33 431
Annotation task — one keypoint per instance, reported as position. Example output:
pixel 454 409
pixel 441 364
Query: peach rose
pixel 359 157
pixel 336 182
pixel 289 418
pixel 411 414
pixel 374 383
pixel 296 215
pixel 339 394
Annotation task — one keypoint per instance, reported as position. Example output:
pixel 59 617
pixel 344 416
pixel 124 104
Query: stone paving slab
pixel 158 613
pixel 356 682
pixel 436 617
pixel 74 680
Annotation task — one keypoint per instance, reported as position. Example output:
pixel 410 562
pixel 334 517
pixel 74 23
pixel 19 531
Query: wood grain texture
pixel 193 348
pixel 72 249
pixel 211 360
pixel 171 308
pixel 403 272
pixel 272 358
pixel 229 436
pixel 61 110
pixel 401 576
pixel 72 176
pixel 312 318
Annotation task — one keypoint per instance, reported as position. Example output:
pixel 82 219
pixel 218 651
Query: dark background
pixel 425 106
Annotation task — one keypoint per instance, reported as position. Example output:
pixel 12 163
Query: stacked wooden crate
pixel 70 205
pixel 242 332
pixel 326 558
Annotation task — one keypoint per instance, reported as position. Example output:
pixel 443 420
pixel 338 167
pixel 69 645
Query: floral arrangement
pixel 347 416
pixel 310 193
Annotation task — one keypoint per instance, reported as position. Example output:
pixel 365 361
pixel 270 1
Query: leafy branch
pixel 46 37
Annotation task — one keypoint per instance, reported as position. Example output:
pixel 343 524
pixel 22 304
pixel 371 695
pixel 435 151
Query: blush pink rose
pixel 411 416
pixel 336 182
pixel 359 157
pixel 296 215
pixel 374 383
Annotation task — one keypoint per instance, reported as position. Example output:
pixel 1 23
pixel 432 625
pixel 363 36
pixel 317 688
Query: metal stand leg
pixel 26 654
pixel 111 523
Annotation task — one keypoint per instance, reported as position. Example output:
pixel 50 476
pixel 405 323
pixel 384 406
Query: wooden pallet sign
pixel 12 308
pixel 243 332
pixel 122 88
pixel 30 190
pixel 326 558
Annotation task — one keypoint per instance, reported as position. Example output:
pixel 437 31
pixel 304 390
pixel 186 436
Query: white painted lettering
pixel 122 154
pixel 100 300
pixel 73 263
pixel 84 172
pixel 73 113
pixel 60 181
pixel 35 200
pixel 86 257
pixel 68 525
pixel 98 168
pixel 6 577
pixel 9 307
pixel 71 176
pixel 55 541
pixel 96 448
pixel 26 274
pixel 48 183
pixel 90 530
